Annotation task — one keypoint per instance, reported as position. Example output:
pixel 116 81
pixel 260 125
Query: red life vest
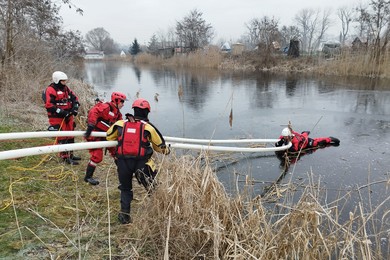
pixel 62 98
pixel 104 114
pixel 132 142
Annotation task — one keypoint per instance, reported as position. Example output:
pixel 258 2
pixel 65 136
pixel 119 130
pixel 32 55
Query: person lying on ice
pixel 301 141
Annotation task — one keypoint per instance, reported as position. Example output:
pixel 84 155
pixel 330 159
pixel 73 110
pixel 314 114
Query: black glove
pixel 89 131
pixel 75 109
pixel 279 143
pixel 62 113
pixel 74 112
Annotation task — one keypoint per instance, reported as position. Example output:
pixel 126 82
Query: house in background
pixel 238 48
pixel 225 48
pixel 94 55
pixel 123 54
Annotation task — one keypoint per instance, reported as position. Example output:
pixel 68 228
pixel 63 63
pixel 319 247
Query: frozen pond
pixel 354 110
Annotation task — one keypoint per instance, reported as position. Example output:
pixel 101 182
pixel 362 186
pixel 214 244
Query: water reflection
pixel 291 84
pixel 137 72
pixel 102 74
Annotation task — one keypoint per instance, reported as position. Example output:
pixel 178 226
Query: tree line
pixel 26 24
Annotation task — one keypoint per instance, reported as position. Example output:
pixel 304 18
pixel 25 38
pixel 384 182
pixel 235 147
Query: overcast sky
pixel 129 19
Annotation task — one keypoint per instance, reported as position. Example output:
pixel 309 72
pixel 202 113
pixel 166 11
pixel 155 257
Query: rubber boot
pixel 65 156
pixel 124 218
pixel 88 175
pixel 334 141
pixel 322 143
pixel 68 160
pixel 73 157
pixel 124 215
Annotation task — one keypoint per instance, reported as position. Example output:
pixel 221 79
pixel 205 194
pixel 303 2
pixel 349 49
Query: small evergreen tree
pixel 153 44
pixel 135 48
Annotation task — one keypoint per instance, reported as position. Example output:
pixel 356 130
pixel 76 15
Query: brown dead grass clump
pixel 188 216
pixel 210 58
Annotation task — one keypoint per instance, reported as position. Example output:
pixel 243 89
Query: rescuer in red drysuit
pixel 100 118
pixel 62 106
pixel 303 141
pixel 137 139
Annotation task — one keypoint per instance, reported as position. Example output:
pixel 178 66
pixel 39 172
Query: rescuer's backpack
pixel 44 96
pixel 132 142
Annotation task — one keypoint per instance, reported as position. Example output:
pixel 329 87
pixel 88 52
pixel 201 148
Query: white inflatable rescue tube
pixel 211 141
pixel 12 154
pixel 230 149
pixel 42 134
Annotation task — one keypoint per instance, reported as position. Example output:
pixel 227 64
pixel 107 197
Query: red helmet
pixel 118 96
pixel 141 103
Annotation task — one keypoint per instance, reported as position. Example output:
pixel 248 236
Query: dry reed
pixel 210 58
pixel 189 215
pixel 351 63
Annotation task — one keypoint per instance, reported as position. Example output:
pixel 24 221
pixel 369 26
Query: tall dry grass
pixel 351 63
pixel 189 216
pixel 210 58
pixel 193 216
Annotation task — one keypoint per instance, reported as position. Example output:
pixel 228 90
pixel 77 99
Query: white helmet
pixel 59 75
pixel 286 132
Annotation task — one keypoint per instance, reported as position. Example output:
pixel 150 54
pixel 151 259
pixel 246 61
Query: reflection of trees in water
pixel 195 84
pixel 103 74
pixel 372 103
pixel 195 89
pixel 291 85
pixel 166 77
pixel 356 83
pixel 264 96
pixel 137 72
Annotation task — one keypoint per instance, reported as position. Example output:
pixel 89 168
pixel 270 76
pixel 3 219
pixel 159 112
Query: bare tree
pixel 345 15
pixel 376 19
pixel 362 21
pixel 253 32
pixel 268 31
pixel 100 40
pixel 69 44
pixel 323 25
pixel 263 31
pixel 171 36
pixel 162 37
pixel 193 32
pixel 27 21
pixel 306 20
pixel 288 33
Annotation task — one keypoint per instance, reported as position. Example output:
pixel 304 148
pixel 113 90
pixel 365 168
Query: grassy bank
pixel 47 211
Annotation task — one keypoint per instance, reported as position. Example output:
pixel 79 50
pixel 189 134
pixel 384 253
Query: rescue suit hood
pixel 141 114
pixel 59 85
